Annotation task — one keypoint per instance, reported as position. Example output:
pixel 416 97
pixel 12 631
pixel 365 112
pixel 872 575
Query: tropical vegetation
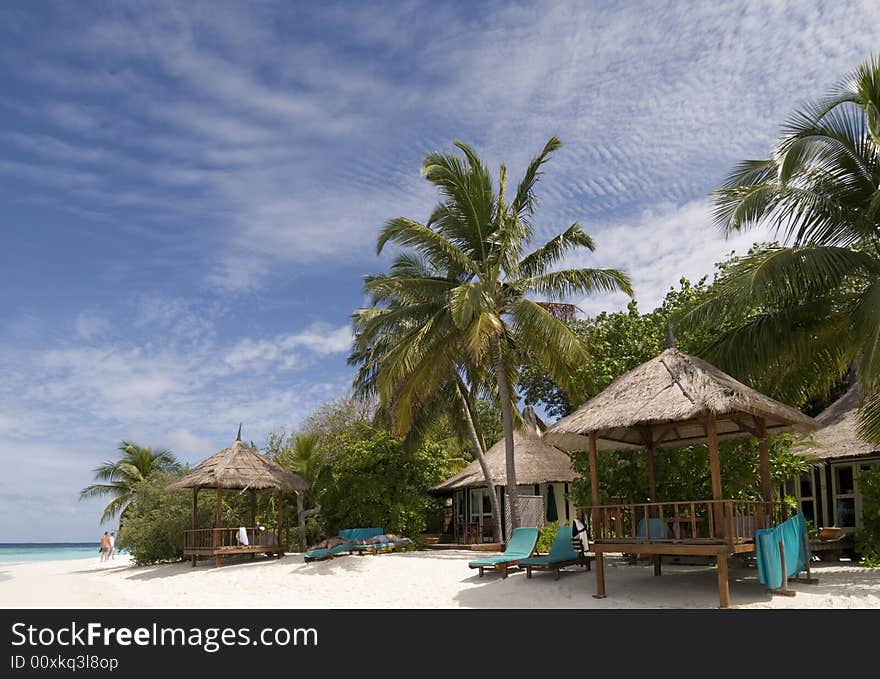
pixel 811 306
pixel 119 479
pixel 454 315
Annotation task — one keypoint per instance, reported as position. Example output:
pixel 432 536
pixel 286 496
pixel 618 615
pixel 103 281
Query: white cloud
pixel 92 325
pixel 319 339
pixel 657 248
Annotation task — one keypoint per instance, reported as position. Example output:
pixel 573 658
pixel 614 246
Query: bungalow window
pixel 481 506
pixel 843 490
pixel 803 489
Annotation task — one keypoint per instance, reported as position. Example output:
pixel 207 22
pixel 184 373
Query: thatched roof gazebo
pixel 536 462
pixel 238 467
pixel 676 400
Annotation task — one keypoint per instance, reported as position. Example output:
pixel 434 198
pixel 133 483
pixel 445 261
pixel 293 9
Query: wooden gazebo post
pixel 280 520
pixel 594 487
pixel 195 518
pixel 253 518
pixel 718 513
pixel 652 487
pixel 218 530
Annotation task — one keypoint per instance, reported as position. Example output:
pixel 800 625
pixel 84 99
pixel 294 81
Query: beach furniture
pixel 380 544
pixel 521 546
pixel 562 553
pixel 350 536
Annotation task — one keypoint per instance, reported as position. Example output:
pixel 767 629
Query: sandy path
pixel 407 580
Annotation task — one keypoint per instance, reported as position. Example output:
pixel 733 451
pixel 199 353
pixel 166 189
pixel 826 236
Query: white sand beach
pixel 439 579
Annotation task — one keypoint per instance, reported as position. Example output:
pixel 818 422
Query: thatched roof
pixel 669 396
pixel 536 461
pixel 240 467
pixel 837 437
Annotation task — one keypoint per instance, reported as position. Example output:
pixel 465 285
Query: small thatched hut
pixel 541 470
pixel 829 494
pixel 675 400
pixel 242 468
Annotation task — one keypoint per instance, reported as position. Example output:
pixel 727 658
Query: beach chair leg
pixel 657 569
pixel 503 568
pixel 528 571
pixel 600 576
pixel 481 571
pixel 723 584
pixel 557 574
pixel 589 564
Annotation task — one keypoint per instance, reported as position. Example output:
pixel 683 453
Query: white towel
pixel 579 532
pixel 242 536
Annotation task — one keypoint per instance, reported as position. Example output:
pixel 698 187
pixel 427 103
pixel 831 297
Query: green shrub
pixel 153 525
pixel 378 482
pixel 868 538
pixel 546 535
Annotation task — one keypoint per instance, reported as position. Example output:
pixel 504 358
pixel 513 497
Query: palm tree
pixel 120 478
pixel 303 456
pixel 814 304
pixel 456 299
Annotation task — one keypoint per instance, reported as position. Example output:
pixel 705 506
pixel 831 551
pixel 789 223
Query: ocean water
pixel 22 552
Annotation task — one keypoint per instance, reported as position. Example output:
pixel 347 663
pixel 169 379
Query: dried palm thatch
pixel 838 437
pixel 668 399
pixel 240 467
pixel 536 461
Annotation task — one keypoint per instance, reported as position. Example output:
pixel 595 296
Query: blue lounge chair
pixel 349 535
pixel 521 546
pixel 382 546
pixel 562 553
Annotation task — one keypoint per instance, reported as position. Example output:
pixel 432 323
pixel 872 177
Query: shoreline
pixel 406 580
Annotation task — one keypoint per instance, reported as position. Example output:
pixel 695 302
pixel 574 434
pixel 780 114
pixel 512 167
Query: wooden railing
pixel 715 521
pixel 206 539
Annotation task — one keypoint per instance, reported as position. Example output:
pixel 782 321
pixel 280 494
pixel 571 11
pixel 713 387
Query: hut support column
pixel 764 448
pixel 715 470
pixel 652 488
pixel 301 520
pixel 218 532
pixel 253 518
pixel 195 518
pixel 594 487
pixel 280 522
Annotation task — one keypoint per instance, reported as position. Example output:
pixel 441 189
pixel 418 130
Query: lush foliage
pixel 812 307
pixel 618 342
pixel 156 519
pixel 868 539
pixel 120 479
pixel 683 473
pixel 547 534
pixel 377 481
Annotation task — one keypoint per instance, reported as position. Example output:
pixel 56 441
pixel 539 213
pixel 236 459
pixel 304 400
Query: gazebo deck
pixel 224 542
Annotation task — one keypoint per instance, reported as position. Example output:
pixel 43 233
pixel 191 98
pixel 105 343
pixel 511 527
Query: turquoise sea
pixel 21 552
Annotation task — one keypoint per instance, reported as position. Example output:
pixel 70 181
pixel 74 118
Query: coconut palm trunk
pixel 481 459
pixel 507 424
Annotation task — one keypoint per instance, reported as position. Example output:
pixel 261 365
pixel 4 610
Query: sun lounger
pixel 349 535
pixel 521 546
pixel 562 554
pixel 381 546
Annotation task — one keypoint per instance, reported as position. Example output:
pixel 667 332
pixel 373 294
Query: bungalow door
pixel 481 509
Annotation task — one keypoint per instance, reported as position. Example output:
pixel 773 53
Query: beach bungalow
pixel 238 468
pixel 828 495
pixel 543 473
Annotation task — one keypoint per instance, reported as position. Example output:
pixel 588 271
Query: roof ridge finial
pixel 670 336
pixel 238 436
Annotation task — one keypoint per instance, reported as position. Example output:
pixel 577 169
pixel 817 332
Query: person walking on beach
pixel 105 546
pixel 112 553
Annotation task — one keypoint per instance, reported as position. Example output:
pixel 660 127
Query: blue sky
pixel 190 192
